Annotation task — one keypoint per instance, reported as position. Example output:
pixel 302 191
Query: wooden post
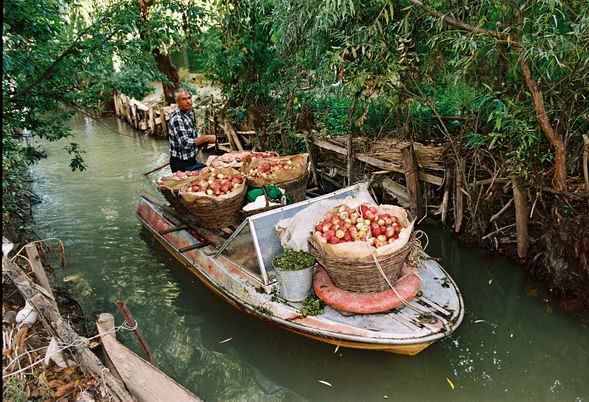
pixel 313 158
pixel 585 158
pixel 164 124
pixel 412 178
pixel 349 157
pixel 230 132
pixel 151 121
pixel 446 198
pixel 114 100
pixel 521 217
pixel 458 197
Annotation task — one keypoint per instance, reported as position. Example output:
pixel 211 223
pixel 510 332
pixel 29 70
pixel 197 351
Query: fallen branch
pixel 497 231
pixel 498 214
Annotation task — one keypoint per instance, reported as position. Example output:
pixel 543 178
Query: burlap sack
pixel 281 176
pixel 191 198
pixel 174 183
pixel 360 249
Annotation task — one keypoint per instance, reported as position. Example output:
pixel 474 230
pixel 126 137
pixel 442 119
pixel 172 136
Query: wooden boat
pixel 236 265
pixel 145 381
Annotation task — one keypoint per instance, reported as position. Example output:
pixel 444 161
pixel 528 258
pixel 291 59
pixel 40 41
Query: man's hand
pixel 205 139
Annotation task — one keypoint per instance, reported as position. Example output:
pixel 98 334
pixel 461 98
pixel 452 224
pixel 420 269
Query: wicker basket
pixel 296 189
pixel 212 213
pixel 173 199
pixel 361 274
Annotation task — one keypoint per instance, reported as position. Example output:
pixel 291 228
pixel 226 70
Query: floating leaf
pixel 336 349
pixel 479 321
pixel 451 383
pixel 226 340
pixel 325 383
pixel 490 281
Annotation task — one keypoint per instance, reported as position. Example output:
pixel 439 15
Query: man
pixel 182 136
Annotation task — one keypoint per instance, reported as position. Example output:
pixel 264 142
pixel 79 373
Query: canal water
pixel 512 345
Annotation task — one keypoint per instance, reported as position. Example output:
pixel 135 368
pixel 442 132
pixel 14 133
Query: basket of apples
pixel 236 159
pixel 215 197
pixel 290 172
pixel 358 244
pixel 169 186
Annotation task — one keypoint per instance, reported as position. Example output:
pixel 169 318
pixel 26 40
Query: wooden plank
pixel 366 158
pixel 396 190
pixel 230 133
pixel 412 179
pixel 144 380
pixel 38 270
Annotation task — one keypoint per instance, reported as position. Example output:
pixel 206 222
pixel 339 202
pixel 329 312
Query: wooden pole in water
pixel 412 178
pixel 447 188
pixel 458 198
pixel 137 332
pixel 521 217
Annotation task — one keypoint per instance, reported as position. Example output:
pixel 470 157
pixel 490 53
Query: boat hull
pixel 220 276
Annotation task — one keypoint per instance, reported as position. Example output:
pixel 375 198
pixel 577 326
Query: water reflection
pixel 507 348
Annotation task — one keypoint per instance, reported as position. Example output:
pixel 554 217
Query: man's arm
pixel 205 139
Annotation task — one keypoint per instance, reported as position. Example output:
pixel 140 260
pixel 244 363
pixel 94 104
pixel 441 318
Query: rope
pixel 80 342
pixel 415 258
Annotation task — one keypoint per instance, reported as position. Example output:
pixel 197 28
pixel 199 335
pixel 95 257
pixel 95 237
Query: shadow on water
pixel 508 347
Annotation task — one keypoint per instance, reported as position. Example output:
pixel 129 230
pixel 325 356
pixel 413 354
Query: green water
pixel 511 346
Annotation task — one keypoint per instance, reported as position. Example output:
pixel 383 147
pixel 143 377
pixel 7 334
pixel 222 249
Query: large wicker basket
pixel 213 213
pixel 173 199
pixel 296 189
pixel 361 274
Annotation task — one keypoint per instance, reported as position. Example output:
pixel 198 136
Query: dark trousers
pixel 182 165
pixel 177 164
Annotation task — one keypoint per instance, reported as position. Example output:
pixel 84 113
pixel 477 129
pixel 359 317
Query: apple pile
pixel 267 170
pixel 216 184
pixel 185 175
pixel 346 224
pixel 260 155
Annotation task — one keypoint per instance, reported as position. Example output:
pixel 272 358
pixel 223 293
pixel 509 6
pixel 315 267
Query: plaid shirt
pixel 181 135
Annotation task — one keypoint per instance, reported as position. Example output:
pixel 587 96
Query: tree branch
pixel 464 26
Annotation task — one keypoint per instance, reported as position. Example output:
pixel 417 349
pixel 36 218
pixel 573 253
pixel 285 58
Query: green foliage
pixel 312 306
pixel 292 260
pixel 134 80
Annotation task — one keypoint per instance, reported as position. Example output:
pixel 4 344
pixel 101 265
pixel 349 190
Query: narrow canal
pixel 512 345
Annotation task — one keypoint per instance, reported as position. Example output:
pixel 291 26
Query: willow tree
pixel 541 44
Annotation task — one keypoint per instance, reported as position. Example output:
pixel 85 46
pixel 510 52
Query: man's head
pixel 183 99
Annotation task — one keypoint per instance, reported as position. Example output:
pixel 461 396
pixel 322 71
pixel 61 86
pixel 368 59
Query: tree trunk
pixel 560 174
pixel 163 61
